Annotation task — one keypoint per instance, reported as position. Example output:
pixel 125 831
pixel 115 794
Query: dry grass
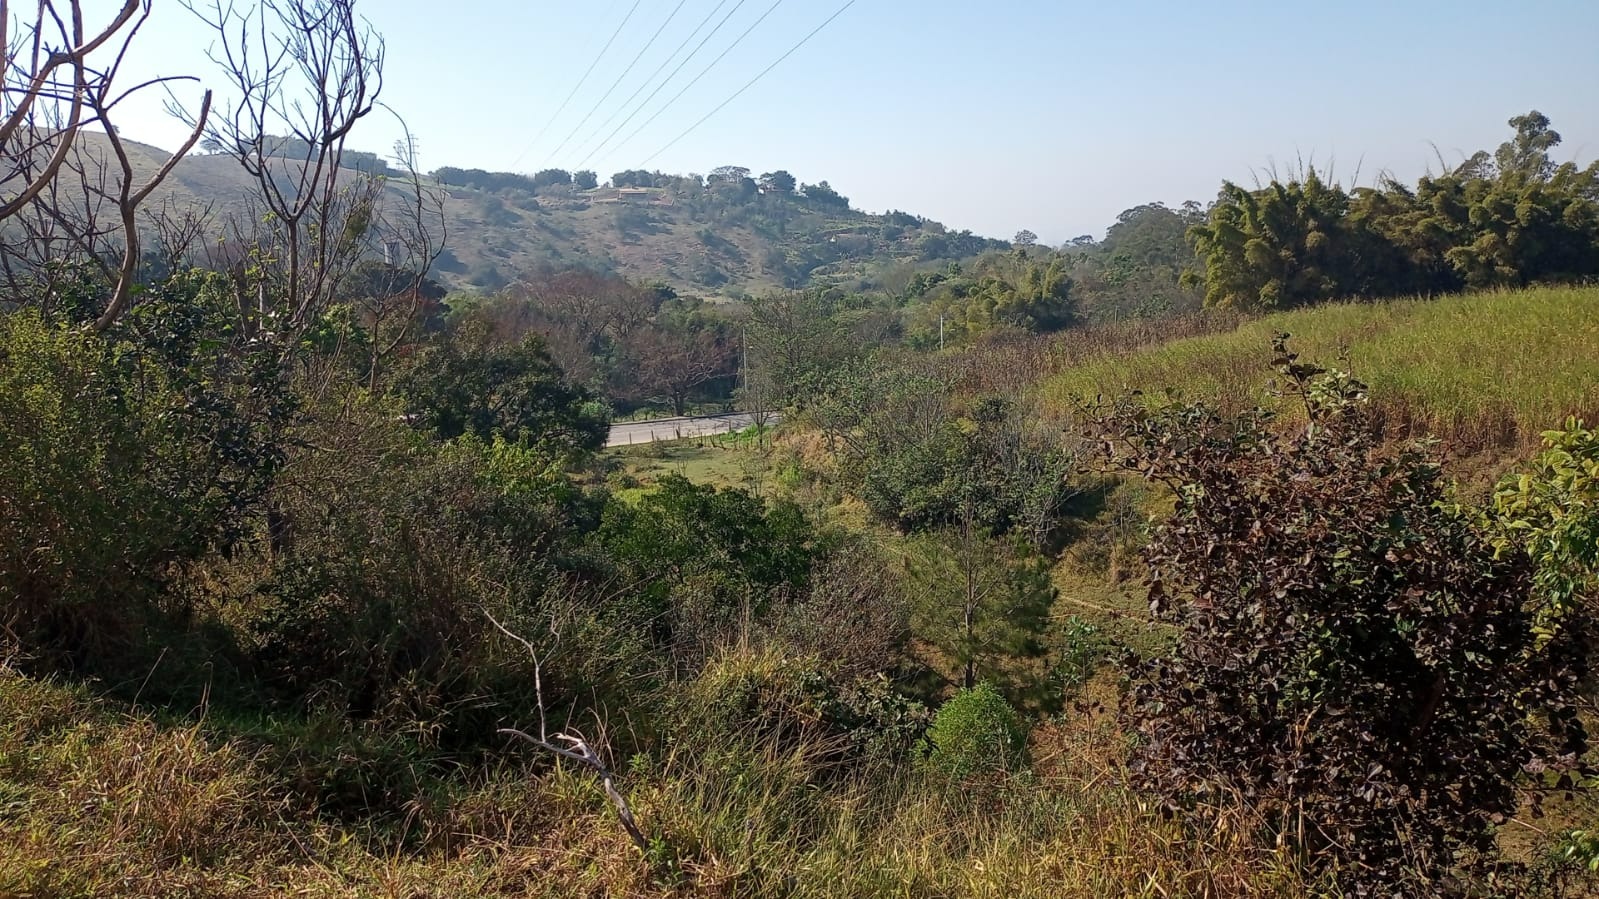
pixel 99 801
pixel 1481 371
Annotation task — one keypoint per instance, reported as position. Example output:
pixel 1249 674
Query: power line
pixel 650 80
pixel 736 94
pixel 658 88
pixel 580 83
pixel 619 79
pixel 702 74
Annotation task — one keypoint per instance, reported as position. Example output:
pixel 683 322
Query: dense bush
pixel 123 459
pixel 770 702
pixel 1507 220
pixel 982 607
pixel 465 383
pixel 977 733
pixel 922 460
pixel 855 616
pixel 703 564
pixel 1550 509
pixel 1359 663
pixel 376 605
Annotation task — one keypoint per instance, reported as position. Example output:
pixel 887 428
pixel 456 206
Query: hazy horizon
pixel 993 119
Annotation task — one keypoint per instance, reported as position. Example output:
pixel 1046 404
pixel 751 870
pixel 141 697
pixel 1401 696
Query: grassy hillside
pixel 699 243
pixel 1480 370
pixel 694 241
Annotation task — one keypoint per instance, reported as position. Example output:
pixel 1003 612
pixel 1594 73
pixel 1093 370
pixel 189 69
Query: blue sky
pixel 991 116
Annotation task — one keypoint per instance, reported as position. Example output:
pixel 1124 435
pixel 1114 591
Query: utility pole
pixel 941 331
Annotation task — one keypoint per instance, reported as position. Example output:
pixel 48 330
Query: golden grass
pixel 1479 370
pixel 96 800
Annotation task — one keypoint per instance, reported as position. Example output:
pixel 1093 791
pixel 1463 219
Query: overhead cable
pixel 752 82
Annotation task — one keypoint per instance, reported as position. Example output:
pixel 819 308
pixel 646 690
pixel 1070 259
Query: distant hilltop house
pixel 634 195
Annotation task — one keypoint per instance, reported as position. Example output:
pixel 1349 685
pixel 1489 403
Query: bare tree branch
pixel 128 202
pixel 304 73
pixel 49 96
pixel 577 748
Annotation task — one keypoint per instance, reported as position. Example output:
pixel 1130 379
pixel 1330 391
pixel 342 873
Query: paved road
pixel 629 433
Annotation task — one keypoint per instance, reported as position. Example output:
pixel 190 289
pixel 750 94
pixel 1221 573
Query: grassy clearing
pixel 727 460
pixel 1481 370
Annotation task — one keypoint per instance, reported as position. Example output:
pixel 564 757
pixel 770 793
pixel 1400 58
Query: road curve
pixel 630 433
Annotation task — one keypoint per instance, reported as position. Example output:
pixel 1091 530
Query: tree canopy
pixel 1506 219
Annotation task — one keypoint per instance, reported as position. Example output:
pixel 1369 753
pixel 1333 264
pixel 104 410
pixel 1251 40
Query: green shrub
pixel 464 383
pixel 976 733
pixel 125 459
pixel 1081 650
pixel 376 606
pixel 1551 509
pixel 703 563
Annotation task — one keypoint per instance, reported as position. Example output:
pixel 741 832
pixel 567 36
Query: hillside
pixel 1478 370
pixel 699 240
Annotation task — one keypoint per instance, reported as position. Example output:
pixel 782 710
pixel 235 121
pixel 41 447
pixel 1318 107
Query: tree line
pixel 1508 218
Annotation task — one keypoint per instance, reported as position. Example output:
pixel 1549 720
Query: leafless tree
pixel 58 78
pixel 302 74
pixel 677 359
pixel 179 229
pixel 410 230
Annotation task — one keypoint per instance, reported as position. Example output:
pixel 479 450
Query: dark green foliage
pixel 376 608
pixel 778 182
pixel 1136 271
pixel 585 180
pixel 551 178
pixel 984 607
pixel 1508 220
pixel 920 466
pixel 1359 663
pixel 822 194
pixel 979 603
pixel 705 562
pixel 483 180
pixel 683 529
pixel 465 384
pixel 633 178
pixel 126 458
pixel 879 723
pixel 977 733
pixel 922 485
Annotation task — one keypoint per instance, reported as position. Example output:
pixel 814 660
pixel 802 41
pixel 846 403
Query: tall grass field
pixel 1480 370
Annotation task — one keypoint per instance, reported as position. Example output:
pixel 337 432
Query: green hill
pixel 698 240
pixel 723 239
